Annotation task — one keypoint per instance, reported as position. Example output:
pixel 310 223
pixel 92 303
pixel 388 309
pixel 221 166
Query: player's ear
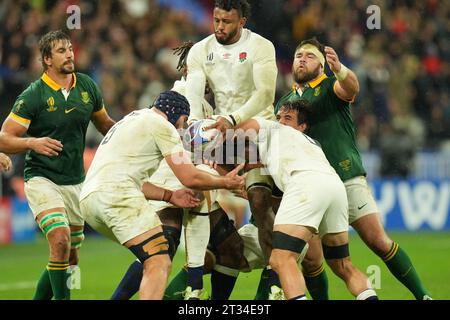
pixel 242 22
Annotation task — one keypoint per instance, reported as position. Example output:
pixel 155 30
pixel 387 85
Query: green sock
pixel 262 292
pixel 176 287
pixel 58 275
pixel 317 283
pixel 402 268
pixel 44 287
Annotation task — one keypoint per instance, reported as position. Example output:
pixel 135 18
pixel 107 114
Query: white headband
pixel 313 49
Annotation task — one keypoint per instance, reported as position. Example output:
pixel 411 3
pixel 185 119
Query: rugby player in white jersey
pixel 240 68
pixel 314 201
pixel 197 223
pixel 114 197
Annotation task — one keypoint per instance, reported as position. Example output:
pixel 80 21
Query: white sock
pixel 366 294
pixel 196 232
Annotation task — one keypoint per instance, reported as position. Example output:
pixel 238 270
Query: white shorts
pixel 43 194
pixel 252 249
pixel 120 217
pixel 316 200
pixel 360 199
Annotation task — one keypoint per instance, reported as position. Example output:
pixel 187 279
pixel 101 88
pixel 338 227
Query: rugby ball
pixel 197 137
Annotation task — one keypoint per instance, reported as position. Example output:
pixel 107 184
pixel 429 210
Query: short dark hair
pixel 47 42
pixel 303 108
pixel 242 6
pixel 314 42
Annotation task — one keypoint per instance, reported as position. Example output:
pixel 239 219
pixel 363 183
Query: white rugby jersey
pixel 285 150
pixel 242 76
pixel 130 152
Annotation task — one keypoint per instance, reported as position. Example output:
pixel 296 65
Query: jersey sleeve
pixel 98 98
pixel 332 90
pixel 265 124
pixel 167 139
pixel 195 83
pixel 264 76
pixel 25 107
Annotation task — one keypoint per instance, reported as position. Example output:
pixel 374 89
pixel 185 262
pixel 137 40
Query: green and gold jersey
pixel 332 125
pixel 44 110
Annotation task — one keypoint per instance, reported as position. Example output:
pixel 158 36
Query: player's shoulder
pixel 204 43
pixel 84 78
pixel 257 39
pixel 33 91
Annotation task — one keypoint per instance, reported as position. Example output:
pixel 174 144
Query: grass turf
pixel 102 264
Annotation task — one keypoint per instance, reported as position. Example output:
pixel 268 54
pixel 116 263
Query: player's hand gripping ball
pixel 197 137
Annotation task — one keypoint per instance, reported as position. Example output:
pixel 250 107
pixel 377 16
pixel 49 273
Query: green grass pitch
pixel 103 263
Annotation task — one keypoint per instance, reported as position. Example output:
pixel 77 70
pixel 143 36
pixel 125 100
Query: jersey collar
pixel 52 84
pixel 312 84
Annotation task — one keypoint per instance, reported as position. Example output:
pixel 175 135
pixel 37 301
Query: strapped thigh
pixel 156 244
pixel 53 221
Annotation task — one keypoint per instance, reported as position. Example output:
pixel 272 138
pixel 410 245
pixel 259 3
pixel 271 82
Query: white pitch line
pixel 17 285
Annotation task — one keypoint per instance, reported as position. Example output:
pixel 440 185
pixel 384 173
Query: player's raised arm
pixel 347 85
pixel 195 84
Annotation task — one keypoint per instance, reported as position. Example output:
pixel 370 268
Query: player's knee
pixel 286 249
pixel 59 240
pixel 160 263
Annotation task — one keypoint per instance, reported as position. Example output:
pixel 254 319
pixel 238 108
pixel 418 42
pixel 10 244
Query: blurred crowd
pixel 126 47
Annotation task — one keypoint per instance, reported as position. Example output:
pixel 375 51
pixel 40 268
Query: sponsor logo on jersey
pixel 226 56
pixel 66 111
pixel 242 56
pixel 51 104
pixel 210 58
pixel 85 97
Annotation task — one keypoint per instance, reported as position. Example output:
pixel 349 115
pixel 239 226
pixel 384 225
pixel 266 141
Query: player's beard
pixel 67 67
pixel 227 39
pixel 302 77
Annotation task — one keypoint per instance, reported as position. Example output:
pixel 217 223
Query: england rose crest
pixel 242 56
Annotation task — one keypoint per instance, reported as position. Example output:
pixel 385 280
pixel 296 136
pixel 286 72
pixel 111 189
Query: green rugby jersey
pixel 332 125
pixel 43 108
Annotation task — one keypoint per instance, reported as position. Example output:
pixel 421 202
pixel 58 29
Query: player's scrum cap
pixel 173 104
pixel 315 51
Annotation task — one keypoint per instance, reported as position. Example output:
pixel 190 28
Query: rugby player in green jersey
pixel 333 127
pixel 54 113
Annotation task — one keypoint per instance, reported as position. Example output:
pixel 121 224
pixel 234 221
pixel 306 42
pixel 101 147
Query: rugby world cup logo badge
pixel 242 56
pixel 51 104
